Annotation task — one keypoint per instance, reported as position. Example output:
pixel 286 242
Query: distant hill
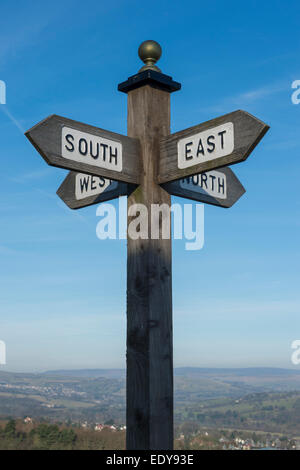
pixel 182 371
pixel 88 373
pixel 247 371
pixel 235 397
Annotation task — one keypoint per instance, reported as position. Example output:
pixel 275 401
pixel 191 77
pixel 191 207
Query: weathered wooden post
pixel 149 268
pixel 149 165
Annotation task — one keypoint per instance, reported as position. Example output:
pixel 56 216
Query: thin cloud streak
pixel 246 98
pixel 13 119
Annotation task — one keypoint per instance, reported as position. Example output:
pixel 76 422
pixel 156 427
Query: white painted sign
pixel 213 183
pixel 89 185
pixel 88 148
pixel 208 145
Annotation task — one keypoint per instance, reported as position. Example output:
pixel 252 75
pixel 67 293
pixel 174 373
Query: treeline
pixel 268 418
pixel 43 436
pixel 264 412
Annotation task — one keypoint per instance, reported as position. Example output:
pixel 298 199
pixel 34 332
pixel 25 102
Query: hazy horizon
pixel 42 371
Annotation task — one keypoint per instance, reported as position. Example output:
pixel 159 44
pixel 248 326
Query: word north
pixel 88 148
pixel 212 183
pixel 208 145
pixel 89 185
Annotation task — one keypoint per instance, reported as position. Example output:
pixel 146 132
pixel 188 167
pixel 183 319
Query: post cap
pixel 150 52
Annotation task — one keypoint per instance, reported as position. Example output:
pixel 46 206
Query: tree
pixel 67 437
pixel 10 429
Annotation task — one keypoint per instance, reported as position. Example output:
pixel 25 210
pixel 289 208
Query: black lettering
pixel 221 185
pixel 91 150
pixel 212 182
pixel 68 137
pixel 203 180
pixel 104 151
pixel 101 182
pixel 113 155
pixel 200 148
pixel 211 145
pixel 222 138
pixel 187 151
pixel 93 183
pixel 82 141
pixel 195 180
pixel 84 183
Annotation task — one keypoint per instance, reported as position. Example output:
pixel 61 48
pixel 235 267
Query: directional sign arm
pixel 219 188
pixel 213 144
pixel 72 145
pixel 80 190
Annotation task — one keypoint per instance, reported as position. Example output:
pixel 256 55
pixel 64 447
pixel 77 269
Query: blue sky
pixel 63 291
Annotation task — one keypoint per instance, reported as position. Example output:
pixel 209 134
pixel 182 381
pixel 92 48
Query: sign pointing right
pixel 213 144
pixel 217 187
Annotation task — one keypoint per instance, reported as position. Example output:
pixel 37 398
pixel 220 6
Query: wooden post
pixel 149 290
pixel 149 281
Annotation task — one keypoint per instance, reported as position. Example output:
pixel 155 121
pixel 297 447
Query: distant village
pixel 219 440
pixel 85 425
pixel 236 440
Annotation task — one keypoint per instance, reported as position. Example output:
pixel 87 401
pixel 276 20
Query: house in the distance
pixel 28 420
pixel 99 427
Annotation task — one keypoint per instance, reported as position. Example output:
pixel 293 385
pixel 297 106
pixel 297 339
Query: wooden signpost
pixel 149 165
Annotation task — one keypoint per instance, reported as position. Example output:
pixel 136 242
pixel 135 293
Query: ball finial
pixel 149 53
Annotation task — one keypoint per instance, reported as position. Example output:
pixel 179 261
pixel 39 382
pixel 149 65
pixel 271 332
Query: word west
pixel 212 183
pixel 88 185
pixel 207 145
pixel 295 358
pixel 296 94
pixel 87 148
pixel 2 353
pixel 2 92
pixel 138 227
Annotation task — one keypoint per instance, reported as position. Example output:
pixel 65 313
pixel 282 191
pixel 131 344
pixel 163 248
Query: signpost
pixel 150 161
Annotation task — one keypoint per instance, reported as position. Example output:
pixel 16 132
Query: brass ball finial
pixel 149 53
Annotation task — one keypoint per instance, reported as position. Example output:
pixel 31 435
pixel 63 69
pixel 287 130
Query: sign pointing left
pixel 81 190
pixel 72 145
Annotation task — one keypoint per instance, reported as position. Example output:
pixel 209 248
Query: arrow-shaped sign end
pixel 38 136
pixel 255 127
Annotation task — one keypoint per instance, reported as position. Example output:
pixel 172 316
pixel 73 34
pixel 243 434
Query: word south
pixel 93 149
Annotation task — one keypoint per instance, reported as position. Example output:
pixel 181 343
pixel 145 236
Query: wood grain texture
pixel 248 131
pixel 46 138
pixel 149 289
pixel 66 192
pixel 234 191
